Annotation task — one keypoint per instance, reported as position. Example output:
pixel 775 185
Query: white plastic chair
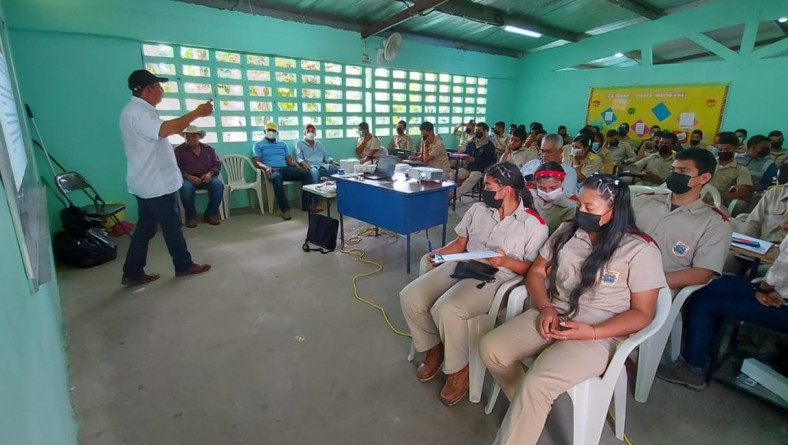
pixel 269 192
pixel 234 167
pixel 478 327
pixel 591 398
pixel 709 189
pixel 651 350
pixel 222 208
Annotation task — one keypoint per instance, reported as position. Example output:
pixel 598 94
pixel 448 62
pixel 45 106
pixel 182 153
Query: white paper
pixel 764 245
pixel 467 256
pixel 609 116
pixel 640 128
pixel 686 120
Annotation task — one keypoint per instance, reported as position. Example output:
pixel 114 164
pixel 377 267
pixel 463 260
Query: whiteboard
pixel 24 191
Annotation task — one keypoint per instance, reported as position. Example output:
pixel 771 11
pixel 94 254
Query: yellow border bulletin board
pixel 676 108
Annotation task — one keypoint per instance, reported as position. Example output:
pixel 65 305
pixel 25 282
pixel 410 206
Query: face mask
pixel 741 141
pixel 725 156
pixel 678 183
pixel 595 146
pixel 271 135
pixel 588 221
pixel 489 199
pixel 614 144
pixel 479 134
pixel 310 136
pixel 400 131
pixel 576 151
pixel 361 133
pixel 764 152
pixel 424 137
pixel 776 145
pixel 664 150
pixel 694 142
pixel 549 196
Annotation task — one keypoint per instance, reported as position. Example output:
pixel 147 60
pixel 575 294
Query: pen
pixel 747 242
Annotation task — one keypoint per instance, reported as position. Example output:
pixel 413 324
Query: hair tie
pixel 550 174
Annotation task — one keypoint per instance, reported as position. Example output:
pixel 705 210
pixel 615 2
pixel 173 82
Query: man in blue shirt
pixel 762 169
pixel 311 156
pixel 271 156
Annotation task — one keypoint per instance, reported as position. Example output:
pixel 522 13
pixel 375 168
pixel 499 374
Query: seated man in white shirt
pixel 367 145
pixel 551 151
pixel 310 155
pixel 401 141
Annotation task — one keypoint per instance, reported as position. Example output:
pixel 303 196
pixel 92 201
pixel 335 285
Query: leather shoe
pixel 431 364
pixel 191 223
pixel 194 269
pixel 213 220
pixel 142 279
pixel 319 207
pixel 456 387
pixel 286 215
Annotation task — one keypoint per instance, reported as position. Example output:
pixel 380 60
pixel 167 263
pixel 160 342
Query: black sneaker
pixel 683 374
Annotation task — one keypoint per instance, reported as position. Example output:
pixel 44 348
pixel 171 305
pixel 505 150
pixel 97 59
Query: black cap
pixel 139 79
pixel 624 126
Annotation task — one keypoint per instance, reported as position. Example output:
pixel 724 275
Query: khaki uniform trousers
pixel 437 308
pixel 470 177
pixel 559 366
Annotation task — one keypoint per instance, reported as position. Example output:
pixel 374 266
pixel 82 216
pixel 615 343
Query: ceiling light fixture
pixel 525 32
pixel 619 55
pixel 782 19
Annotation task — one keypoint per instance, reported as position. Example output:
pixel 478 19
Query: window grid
pixel 250 90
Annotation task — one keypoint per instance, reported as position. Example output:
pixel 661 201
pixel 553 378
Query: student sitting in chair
pixel 200 170
pixel 481 154
pixel 437 306
pixel 516 152
pixel 584 160
pixel 763 171
pixel 551 202
pixel 604 277
pixel 551 151
pixel 401 141
pixel 731 179
pixel 432 152
pixel 731 297
pixel 272 157
pixel 367 145
pixel 693 236
pixel 657 166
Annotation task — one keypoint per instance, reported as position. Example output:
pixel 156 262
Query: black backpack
pixel 322 232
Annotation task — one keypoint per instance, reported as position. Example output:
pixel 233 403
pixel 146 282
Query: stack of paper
pixel 751 244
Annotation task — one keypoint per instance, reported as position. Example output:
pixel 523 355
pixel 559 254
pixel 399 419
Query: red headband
pixel 550 174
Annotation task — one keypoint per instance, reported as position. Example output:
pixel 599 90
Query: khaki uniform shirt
pixel 440 158
pixel 730 175
pixel 521 156
pixel 702 145
pixel 655 164
pixel 765 220
pixel 556 212
pixel 780 157
pixel 622 153
pixel 590 165
pixel 372 144
pixel 465 139
pixel 520 234
pixel 695 235
pixel 634 267
pixel 500 142
pixel 403 142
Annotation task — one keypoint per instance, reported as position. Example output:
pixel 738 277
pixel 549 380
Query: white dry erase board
pixel 23 188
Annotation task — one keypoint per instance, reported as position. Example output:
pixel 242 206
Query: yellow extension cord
pixel 358 254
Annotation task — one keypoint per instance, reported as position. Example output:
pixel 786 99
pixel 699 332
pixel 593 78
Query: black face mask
pixel 764 152
pixel 694 142
pixel 488 196
pixel 664 150
pixel 678 183
pixel 725 156
pixel 614 144
pixel 588 221
pixel 479 134
pixel 776 145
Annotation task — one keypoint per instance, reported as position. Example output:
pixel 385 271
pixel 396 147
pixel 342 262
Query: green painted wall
pixel 92 45
pixel 757 94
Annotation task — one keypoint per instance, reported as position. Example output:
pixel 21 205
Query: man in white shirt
pixel 499 137
pixel 153 177
pixel 551 151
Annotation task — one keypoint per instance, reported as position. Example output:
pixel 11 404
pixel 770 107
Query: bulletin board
pixel 676 108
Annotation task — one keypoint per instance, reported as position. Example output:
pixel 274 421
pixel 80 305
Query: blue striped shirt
pixel 273 154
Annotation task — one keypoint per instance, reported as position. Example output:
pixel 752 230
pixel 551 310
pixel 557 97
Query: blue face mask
pixel 595 146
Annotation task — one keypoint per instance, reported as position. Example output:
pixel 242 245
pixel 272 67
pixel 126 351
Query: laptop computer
pixel 384 168
pixel 401 154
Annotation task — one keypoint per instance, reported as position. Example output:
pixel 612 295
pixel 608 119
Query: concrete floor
pixel 270 347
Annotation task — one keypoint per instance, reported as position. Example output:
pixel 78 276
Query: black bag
pixel 83 242
pixel 322 232
pixel 475 270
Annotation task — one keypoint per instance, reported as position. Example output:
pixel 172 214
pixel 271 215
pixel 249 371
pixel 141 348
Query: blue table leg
pixel 407 257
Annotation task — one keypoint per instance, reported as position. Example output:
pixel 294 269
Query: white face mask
pixel 361 133
pixel 595 146
pixel 576 151
pixel 270 135
pixel 310 136
pixel 550 196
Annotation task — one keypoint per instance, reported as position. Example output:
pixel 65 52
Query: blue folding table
pixel 402 205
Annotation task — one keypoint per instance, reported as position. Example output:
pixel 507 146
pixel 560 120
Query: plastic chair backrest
pixel 709 189
pixel 234 166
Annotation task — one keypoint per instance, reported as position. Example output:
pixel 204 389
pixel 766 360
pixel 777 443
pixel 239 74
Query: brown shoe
pixel 191 223
pixel 456 387
pixel 431 364
pixel 194 269
pixel 286 215
pixel 319 207
pixel 213 220
pixel 142 279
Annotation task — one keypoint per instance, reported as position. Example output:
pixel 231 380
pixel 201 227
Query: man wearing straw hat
pixel 200 170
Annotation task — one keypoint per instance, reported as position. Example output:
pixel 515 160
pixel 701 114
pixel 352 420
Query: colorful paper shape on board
pixel 661 111
pixel 631 110
pixel 686 120
pixel 609 116
pixel 620 103
pixel 640 128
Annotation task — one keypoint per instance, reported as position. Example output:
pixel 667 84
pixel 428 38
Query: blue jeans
pixel 281 174
pixel 728 297
pixel 215 193
pixel 162 211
